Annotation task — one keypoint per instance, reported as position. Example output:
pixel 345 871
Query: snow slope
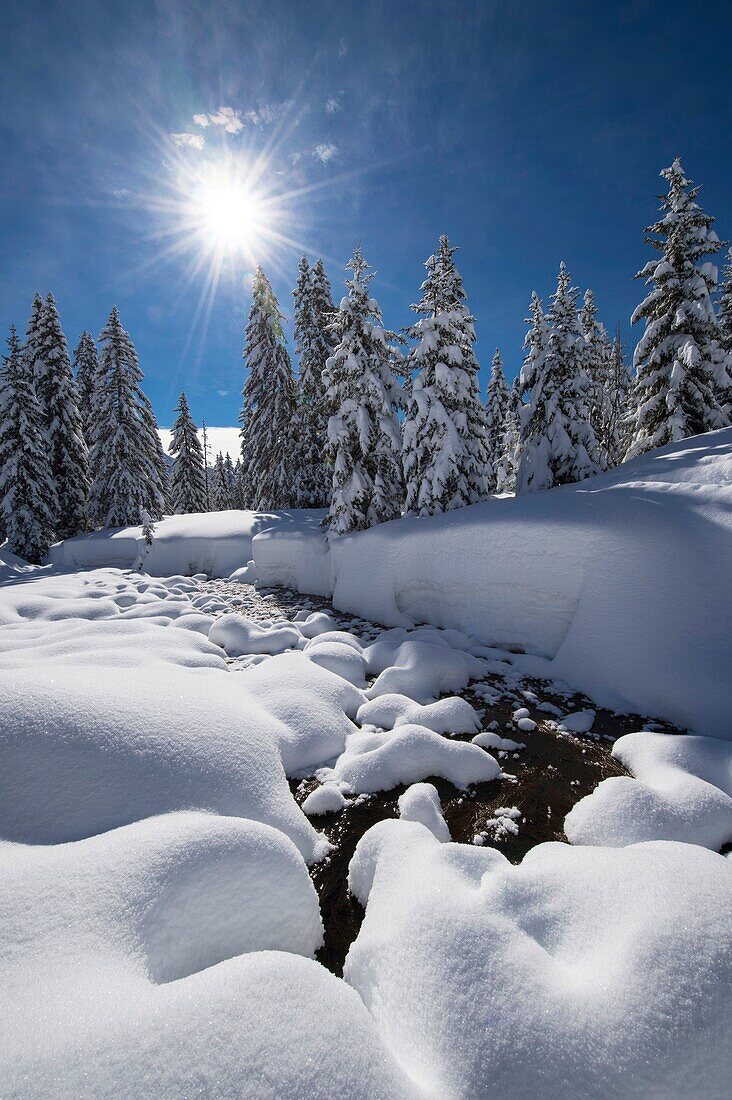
pixel 215 543
pixel 225 440
pixel 619 585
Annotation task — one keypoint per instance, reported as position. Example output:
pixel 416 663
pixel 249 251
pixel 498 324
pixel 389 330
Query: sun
pixel 228 214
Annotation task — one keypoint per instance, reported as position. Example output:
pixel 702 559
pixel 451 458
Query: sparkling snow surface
pixel 158 922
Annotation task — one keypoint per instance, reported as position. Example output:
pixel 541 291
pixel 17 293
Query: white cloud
pixel 229 118
pixel 121 192
pixel 188 141
pixel 201 120
pixel 325 152
pixel 333 104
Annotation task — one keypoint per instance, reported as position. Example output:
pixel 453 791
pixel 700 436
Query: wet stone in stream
pixel 541 783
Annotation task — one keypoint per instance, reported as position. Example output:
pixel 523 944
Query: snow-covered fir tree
pixel 445 450
pixel 187 482
pixel 127 461
pixel 498 408
pixel 57 397
pixel 559 444
pixel 724 314
pixel 239 497
pixel 230 479
pixel 597 358
pixel 86 371
pixel 508 462
pixel 679 360
pixel 536 346
pixel 269 403
pixel 313 344
pixel 28 504
pixel 220 488
pixel 363 396
pixel 619 385
pixel 32 343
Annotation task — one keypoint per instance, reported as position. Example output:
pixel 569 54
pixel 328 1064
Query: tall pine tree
pixel 127 460
pixel 220 486
pixel 498 408
pixel 187 482
pixel 313 344
pixel 67 450
pixel 27 493
pixel 445 451
pixel 597 361
pixel 679 361
pixel 269 403
pixel 86 367
pixel 363 431
pixel 559 444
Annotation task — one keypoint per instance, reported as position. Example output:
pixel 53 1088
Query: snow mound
pixel 682 791
pixel 327 799
pixel 312 706
pixel 580 721
pixel 312 623
pixel 237 635
pixel 340 656
pixel 421 665
pixel 490 740
pixel 581 972
pixel 421 803
pixel 453 715
pixel 136 929
pixel 379 761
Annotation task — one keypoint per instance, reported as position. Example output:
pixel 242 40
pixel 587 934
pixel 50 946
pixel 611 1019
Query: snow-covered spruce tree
pixel 126 460
pixel 498 408
pixel 508 461
pixel 230 479
pixel 725 331
pixel 536 346
pixel 619 385
pixel 445 450
pixel 219 488
pixel 238 499
pixel 679 360
pixel 28 503
pixel 559 444
pixel 57 397
pixel 187 482
pixel 86 368
pixel 363 396
pixel 32 344
pixel 269 403
pixel 313 344
pixel 597 359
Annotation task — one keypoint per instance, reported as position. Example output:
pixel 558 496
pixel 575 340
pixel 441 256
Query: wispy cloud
pixel 325 152
pixel 228 117
pixel 333 104
pixel 121 192
pixel 188 141
pixel 233 120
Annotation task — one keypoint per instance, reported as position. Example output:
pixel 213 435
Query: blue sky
pixel 530 133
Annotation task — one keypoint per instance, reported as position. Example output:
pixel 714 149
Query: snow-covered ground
pixel 158 920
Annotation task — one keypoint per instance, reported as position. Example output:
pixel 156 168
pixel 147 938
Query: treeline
pixel 375 423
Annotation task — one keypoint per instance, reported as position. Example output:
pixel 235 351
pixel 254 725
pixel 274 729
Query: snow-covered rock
pixel 580 972
pixel 379 761
pixel 421 802
pixel 237 635
pixel 682 791
pixel 326 799
pixel 453 715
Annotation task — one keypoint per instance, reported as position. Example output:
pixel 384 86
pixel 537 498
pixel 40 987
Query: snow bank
pixel 620 583
pixel 238 635
pixel 116 957
pixel 581 972
pixel 421 664
pixel 682 791
pixel 214 543
pixel 379 761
